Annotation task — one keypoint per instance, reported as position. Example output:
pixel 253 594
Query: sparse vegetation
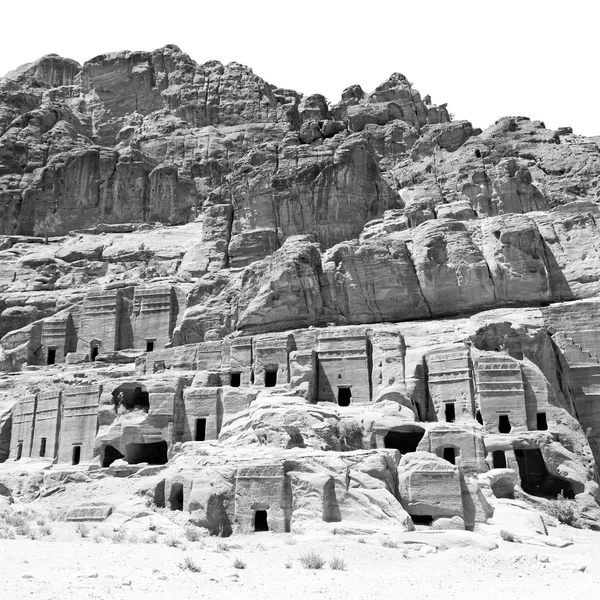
pixel 386 542
pixel 288 564
pixel 193 533
pixel 118 537
pixel 312 560
pixel 174 542
pixel 188 564
pixel 337 563
pixel 566 511
pixel 508 536
pixel 83 529
pixel 350 433
pixel 291 541
pixel 48 226
pixel 238 563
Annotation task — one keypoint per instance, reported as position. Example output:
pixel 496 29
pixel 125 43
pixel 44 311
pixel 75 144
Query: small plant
pixel 566 511
pixel 83 529
pixel 312 560
pixel 238 563
pixel 118 537
pixel 291 541
pixel 289 564
pixel 222 546
pixel 508 536
pixel 174 542
pixel 45 530
pixel 188 564
pixel 337 563
pixel 193 533
pixel 350 433
pixel 386 542
pixel 7 533
pixel 41 520
pixel 48 226
pixel 151 538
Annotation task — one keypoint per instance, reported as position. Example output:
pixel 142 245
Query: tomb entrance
pixel 154 453
pixel 110 455
pixel 260 521
pixel 404 439
pixel 344 395
pixel 499 459
pixel 200 434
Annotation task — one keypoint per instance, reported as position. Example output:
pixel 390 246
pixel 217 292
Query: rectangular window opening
pixel 149 345
pixel 43 447
pixel 450 412
pixel 200 435
pixel 235 380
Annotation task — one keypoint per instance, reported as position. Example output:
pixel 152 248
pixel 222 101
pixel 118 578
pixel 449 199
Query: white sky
pixel 536 58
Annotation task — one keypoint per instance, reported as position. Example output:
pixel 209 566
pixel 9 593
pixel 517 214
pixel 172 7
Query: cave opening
pixel 176 496
pixel 450 412
pixel 51 356
pixel 200 433
pixel 110 455
pixel 235 380
pixel 542 423
pixel 535 479
pixel 504 425
pixel 404 441
pixel 422 519
pixel 43 447
pixel 344 396
pixel 76 457
pixel 449 454
pixel 153 453
pixel 270 377
pixel 499 459
pixel 260 521
pixel 149 345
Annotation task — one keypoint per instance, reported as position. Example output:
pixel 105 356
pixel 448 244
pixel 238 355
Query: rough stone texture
pixel 347 313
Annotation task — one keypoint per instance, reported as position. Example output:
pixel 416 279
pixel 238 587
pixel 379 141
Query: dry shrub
pixel 312 560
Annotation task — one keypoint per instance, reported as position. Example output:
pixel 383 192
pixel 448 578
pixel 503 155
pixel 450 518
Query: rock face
pixel 311 313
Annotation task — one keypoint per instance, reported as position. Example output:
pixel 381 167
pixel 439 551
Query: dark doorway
pixel 131 397
pixel 450 412
pixel 110 455
pixel 94 353
pixel 260 521
pixel 499 459
pixel 235 380
pixel 479 417
pixel 154 453
pixel 76 455
pixel 200 435
pixel 149 345
pixel 504 424
pixel 270 377
pixel 42 447
pixel 176 496
pixel 344 395
pixel 19 450
pixel 422 519
pixel 542 423
pixel 51 356
pixel 404 441
pixel 450 455
pixel 536 480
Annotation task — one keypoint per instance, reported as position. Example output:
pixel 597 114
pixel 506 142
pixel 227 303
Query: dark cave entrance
pixel 154 453
pixel 449 455
pixel 110 455
pixel 131 396
pixel 76 457
pixel 404 441
pixel 260 521
pixel 235 380
pixel 200 434
pixel 535 479
pixel 344 395
pixel 422 519
pixel 51 356
pixel 499 459
pixel 504 424
pixel 542 423
pixel 270 377
pixel 450 412
pixel 176 496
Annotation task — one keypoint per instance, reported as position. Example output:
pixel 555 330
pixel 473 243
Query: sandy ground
pixel 65 566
